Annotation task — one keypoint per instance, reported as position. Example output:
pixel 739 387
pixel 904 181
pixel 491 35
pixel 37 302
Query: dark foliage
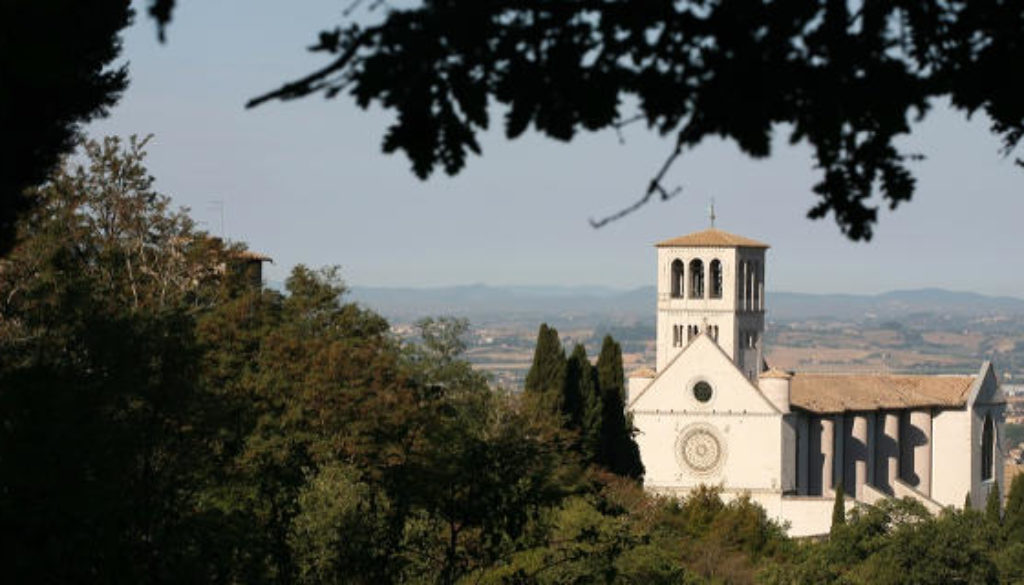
pixel 846 80
pixel 546 378
pixel 586 400
pixel 105 421
pixel 839 508
pixel 993 505
pixel 165 420
pixel 618 451
pixel 1013 516
pixel 55 75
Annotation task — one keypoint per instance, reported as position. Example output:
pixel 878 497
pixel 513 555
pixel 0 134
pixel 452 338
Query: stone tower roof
pixel 712 238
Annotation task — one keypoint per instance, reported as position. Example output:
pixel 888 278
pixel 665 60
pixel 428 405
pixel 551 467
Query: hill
pixel 483 303
pixel 924 330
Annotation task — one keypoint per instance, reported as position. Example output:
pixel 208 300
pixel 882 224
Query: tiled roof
pixel 775 373
pixel 254 256
pixel 712 238
pixel 834 393
pixel 643 373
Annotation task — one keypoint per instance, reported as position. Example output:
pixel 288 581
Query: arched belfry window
pixel 988 446
pixel 716 278
pixel 696 279
pixel 677 278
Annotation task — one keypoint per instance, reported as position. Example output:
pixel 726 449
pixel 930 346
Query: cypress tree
pixel 839 508
pixel 572 396
pixel 617 451
pixel 545 380
pixel 993 505
pixel 967 501
pixel 581 403
pixel 1013 516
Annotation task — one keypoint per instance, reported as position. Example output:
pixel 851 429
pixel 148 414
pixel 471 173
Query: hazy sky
pixel 305 181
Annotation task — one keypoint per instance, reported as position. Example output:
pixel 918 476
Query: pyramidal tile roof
pixel 712 238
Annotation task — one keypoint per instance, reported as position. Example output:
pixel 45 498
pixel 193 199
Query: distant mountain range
pixel 791 306
pixel 484 303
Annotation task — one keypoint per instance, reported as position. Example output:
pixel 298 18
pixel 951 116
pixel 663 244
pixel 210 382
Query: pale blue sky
pixel 305 181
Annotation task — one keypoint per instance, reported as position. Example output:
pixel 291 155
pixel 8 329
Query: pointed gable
pixel 986 388
pixel 702 361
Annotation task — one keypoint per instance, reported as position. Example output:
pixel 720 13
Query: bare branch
pixel 305 85
pixel 356 3
pixel 618 126
pixel 655 187
pixel 351 8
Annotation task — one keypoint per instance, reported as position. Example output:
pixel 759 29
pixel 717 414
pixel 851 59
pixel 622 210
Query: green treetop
pixel 546 377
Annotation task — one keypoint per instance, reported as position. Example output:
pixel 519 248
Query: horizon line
pixel 607 287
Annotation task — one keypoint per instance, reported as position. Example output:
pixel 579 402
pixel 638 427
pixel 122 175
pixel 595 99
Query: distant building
pixel 714 413
pixel 249 265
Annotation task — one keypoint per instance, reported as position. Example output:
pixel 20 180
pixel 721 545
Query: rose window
pixel 700 449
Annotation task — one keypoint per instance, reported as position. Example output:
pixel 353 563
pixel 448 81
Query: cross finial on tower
pixel 711 211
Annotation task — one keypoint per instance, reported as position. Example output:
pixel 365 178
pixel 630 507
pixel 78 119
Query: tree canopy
pixel 165 419
pixel 56 76
pixel 586 400
pixel 847 78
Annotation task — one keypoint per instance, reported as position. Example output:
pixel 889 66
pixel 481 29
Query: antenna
pixel 711 211
pixel 218 204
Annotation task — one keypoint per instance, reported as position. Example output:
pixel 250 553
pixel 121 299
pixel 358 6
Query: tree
pixel 323 384
pixel 735 69
pixel 589 401
pixel 993 506
pixel 898 541
pixel 691 69
pixel 581 404
pixel 104 445
pixel 952 548
pixel 1013 516
pixel 546 377
pixel 334 533
pixel 54 81
pixel 839 508
pixel 618 450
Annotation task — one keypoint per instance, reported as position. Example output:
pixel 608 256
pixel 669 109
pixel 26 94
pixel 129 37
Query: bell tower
pixel 712 283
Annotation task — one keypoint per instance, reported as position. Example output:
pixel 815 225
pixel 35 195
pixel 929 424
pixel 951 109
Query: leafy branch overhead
pixel 846 78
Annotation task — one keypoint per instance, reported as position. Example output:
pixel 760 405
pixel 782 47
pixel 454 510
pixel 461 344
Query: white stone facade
pixel 712 413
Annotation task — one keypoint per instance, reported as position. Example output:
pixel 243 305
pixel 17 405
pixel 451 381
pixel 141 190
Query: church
pixel 714 412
